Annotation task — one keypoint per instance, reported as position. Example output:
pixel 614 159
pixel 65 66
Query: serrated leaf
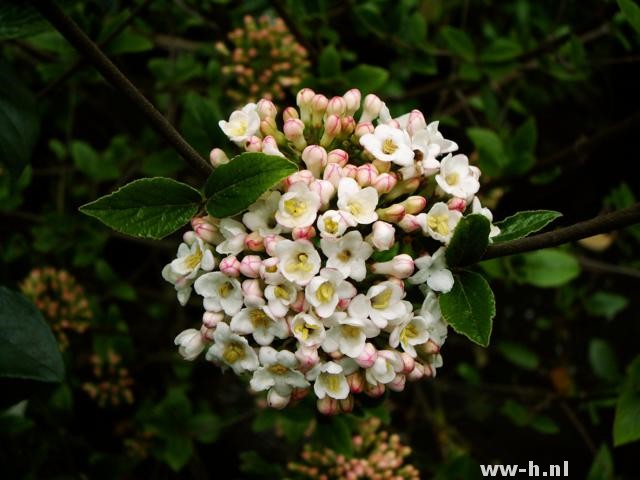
pixel 458 42
pixel 524 223
pixel 149 207
pixel 626 424
pixel 470 307
pixel 469 241
pixel 546 268
pixel 631 12
pixel 232 187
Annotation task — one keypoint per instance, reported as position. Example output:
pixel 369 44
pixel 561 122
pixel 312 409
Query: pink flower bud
pixel 356 382
pixel 315 158
pixel 403 188
pixel 230 266
pixel 293 131
pixel 366 174
pixel 409 223
pixel 307 357
pixel 254 242
pixel 392 214
pixel 338 156
pixel 385 182
pixel 349 170
pixel 303 233
pixel 343 303
pixel 393 123
pixel 300 305
pixel 252 292
pixel 336 106
pixel 352 100
pixel 217 157
pixel 397 281
pixel 270 242
pixel 363 128
pixel 266 109
pixel 382 236
pixel 416 122
pixel 318 106
pixel 346 405
pixel 414 204
pixel 401 266
pixel 270 146
pixel 397 384
pixel 368 356
pixel 417 373
pixel 332 125
pixel 328 405
pixel 371 108
pixel 211 319
pixel 207 333
pixel 333 174
pixel 458 204
pixel 207 229
pixel 374 391
pixel 347 126
pixel 250 266
pixel 325 191
pixel 408 362
pixel 304 176
pixel 253 144
pixel 277 401
pixel 431 347
pixel 304 97
pixel 299 394
pixel 289 114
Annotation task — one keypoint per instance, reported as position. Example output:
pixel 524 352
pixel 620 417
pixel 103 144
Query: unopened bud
pixel 338 156
pixel 417 373
pixel 414 204
pixel 250 266
pixel 266 109
pixel 325 189
pixel 356 382
pixel 207 229
pixel 458 204
pixel 346 405
pixel 398 383
pixel 416 122
pixel 371 108
pixel 277 401
pixel 385 182
pixel 300 305
pixel 270 242
pixel 315 158
pixel 382 236
pixel 400 266
pixel 336 106
pixel 347 126
pixel 332 173
pixel 318 106
pixel 294 132
pixel 303 100
pixel 303 233
pixel 392 214
pixel 289 114
pixel 217 157
pixel 409 223
pixel 304 176
pixel 363 128
pixel 254 242
pixel 368 357
pixel 307 357
pixel 349 170
pixel 366 175
pixel 211 319
pixel 230 266
pixel 270 146
pixel 352 99
pixel 253 144
pixel 408 362
pixel 328 405
pixel 374 390
pixel 332 125
pixel 252 293
pixel 403 188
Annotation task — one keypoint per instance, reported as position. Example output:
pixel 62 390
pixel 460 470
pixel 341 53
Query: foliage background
pixel 543 93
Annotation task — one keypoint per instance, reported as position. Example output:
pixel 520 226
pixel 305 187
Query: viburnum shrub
pixel 330 255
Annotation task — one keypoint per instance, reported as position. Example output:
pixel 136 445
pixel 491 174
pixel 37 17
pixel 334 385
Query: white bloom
pixel 221 293
pixel 389 144
pixel 456 177
pixel 347 254
pixel 384 301
pixel 326 290
pixel 331 381
pixel 181 283
pixel 191 259
pixel 476 207
pixel 299 260
pixel 358 202
pixel 278 372
pixel 308 330
pixel 190 343
pixel 436 325
pixel 280 297
pixel 261 215
pixel 232 350
pixel 298 207
pixel 430 136
pixel 348 334
pixel 259 322
pixel 242 124
pixel 334 223
pixel 440 222
pixel 384 369
pixel 433 270
pixel 234 235
pixel 412 331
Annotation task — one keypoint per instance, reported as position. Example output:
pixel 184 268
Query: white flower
pixel 278 372
pixel 259 322
pixel 298 207
pixel 433 270
pixel 308 330
pixel 242 124
pixel 385 304
pixel 190 343
pixel 476 207
pixel 347 254
pixel 384 369
pixel 232 350
pixel 348 334
pixel 430 136
pixel 456 177
pixel 326 290
pixel 280 297
pixel 331 381
pixel 234 235
pixel 334 223
pixel 389 144
pixel 261 215
pixel 181 283
pixel 440 222
pixel 220 293
pixel 436 326
pixel 412 331
pixel 358 202
pixel 299 261
pixel 191 259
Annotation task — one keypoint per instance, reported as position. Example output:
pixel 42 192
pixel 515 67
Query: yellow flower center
pixel 295 207
pixel 301 263
pixel 325 292
pixel 259 319
pixel 409 332
pixel 439 223
pixel 389 147
pixel 303 330
pixel 193 260
pixel 452 178
pixel 331 382
pixel 350 331
pixel 278 369
pixel 381 300
pixel 280 292
pixel 330 225
pixel 271 269
pixel 225 289
pixel 238 127
pixel 344 256
pixel 233 353
pixel 355 208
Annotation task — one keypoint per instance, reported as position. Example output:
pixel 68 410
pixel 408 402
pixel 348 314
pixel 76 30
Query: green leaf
pixel 519 355
pixel 176 451
pixel 19 123
pixel 520 147
pixel 626 425
pixel 89 162
pixel 603 360
pixel 546 268
pixel 367 77
pixel 334 433
pixel 524 223
pixel 605 304
pixel 149 207
pixel 233 187
pixel 493 158
pixel 501 50
pixel 631 12
pixel 469 241
pixel 602 466
pixel 205 427
pixel 129 41
pixel 458 42
pixel 329 62
pixel 28 349
pixel 252 463
pixel 470 307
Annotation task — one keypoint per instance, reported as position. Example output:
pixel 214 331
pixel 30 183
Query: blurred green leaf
pixel 252 463
pixel 493 158
pixel 367 77
pixel 605 304
pixel 524 223
pixel 501 50
pixel 520 147
pixel 334 433
pixel 206 427
pixel 626 425
pixel 602 466
pixel 329 62
pixel 603 360
pixel 129 41
pixel 631 12
pixel 546 268
pixel 92 164
pixel 176 452
pixel 518 354
pixel 469 241
pixel 458 42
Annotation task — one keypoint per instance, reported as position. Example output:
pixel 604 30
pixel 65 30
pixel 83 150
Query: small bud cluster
pixel 112 385
pixel 60 300
pixel 265 60
pixel 377 456
pixel 325 281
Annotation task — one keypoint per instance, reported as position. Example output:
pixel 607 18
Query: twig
pixel 80 62
pixel 600 224
pixel 295 31
pixel 602 267
pixel 579 426
pixel 76 37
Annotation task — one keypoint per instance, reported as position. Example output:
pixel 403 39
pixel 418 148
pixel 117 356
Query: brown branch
pixel 600 224
pixel 598 266
pixel 76 37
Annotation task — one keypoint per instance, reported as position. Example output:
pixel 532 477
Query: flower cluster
pixel 377 455
pixel 330 281
pixel 265 60
pixel 113 384
pixel 60 300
